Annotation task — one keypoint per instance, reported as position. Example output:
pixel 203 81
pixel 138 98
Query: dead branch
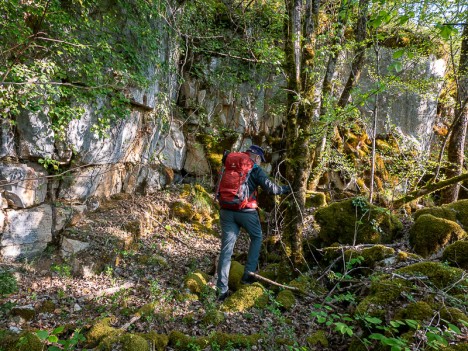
pixel 109 291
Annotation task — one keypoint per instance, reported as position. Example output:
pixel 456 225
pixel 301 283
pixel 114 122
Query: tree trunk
pixel 456 146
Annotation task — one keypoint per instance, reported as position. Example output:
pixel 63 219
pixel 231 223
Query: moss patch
pixel 246 297
pixel 8 283
pixel 180 341
pixel 101 330
pixel 315 199
pixel 456 211
pixel 124 342
pixel 338 223
pixel 235 275
pixel 159 341
pixel 419 311
pixel 213 317
pixel 235 340
pixel 26 341
pixel 430 234
pixel 438 274
pixel 371 255
pixel 286 299
pixel 457 254
pixel 196 282
pixel 318 338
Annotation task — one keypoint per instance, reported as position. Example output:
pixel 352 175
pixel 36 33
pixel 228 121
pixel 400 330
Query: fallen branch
pixel 109 291
pixel 130 322
pixel 271 282
pixel 428 189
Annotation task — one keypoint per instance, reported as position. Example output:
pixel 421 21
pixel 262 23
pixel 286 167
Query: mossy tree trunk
pixel 300 32
pixel 306 134
pixel 456 146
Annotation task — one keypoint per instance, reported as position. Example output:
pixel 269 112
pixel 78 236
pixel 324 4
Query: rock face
pixel 26 232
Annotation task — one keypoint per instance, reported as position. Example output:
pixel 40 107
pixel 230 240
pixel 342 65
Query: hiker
pixel 241 168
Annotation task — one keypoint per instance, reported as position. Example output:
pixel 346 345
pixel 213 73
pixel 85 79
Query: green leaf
pixel 399 53
pixel 374 320
pixel 42 334
pixel 454 328
pixel 52 338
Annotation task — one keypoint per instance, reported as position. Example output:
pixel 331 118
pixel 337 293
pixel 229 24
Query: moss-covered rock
pixel 25 341
pixel 318 338
pixel 146 310
pixel 385 292
pixel 213 317
pixel 124 342
pixel 286 299
pixel 456 211
pixel 370 255
pixel 307 284
pixel 183 211
pixel 315 199
pixel 180 341
pixel 430 234
pixel 438 274
pixel 26 313
pixel 158 341
pixel 236 271
pixel 453 315
pixel 100 330
pixel 246 297
pixel 279 272
pixel 46 306
pixel 343 221
pixel 196 282
pixel 420 311
pixel 457 254
pixel 235 340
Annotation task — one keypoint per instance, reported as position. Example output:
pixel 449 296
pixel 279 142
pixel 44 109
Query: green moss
pixel 25 341
pixel 101 330
pixel 306 284
pixel 457 254
pixel 180 341
pixel 235 275
pixel 196 282
pixel 146 310
pixel 124 342
pixel 315 199
pixel 46 306
pixel 384 292
pixel 371 255
pixel 318 338
pixel 438 274
pixel 213 317
pixel 286 299
pixel 278 272
pixel 159 341
pixel 459 347
pixel 453 315
pixel 183 210
pixel 338 223
pixel 186 297
pixel 26 313
pixel 420 311
pixel 235 340
pixel 456 211
pixel 246 297
pixel 430 234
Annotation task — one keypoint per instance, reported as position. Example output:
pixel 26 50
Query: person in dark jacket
pixel 247 218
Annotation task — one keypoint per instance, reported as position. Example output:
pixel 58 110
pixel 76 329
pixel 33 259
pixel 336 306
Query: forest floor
pixel 149 265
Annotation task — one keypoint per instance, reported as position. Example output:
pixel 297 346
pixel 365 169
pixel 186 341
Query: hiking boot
pixel 248 280
pixel 223 296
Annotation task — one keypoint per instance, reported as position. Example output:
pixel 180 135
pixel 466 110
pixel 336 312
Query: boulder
pixel 71 247
pixel 7 139
pixel 196 162
pixel 342 222
pixel 26 232
pixel 457 254
pixel 455 211
pixel 430 234
pixel 25 184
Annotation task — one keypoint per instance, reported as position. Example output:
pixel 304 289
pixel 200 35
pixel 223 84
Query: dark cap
pixel 257 150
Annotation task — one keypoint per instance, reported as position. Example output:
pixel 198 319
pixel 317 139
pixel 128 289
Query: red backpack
pixel 233 189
